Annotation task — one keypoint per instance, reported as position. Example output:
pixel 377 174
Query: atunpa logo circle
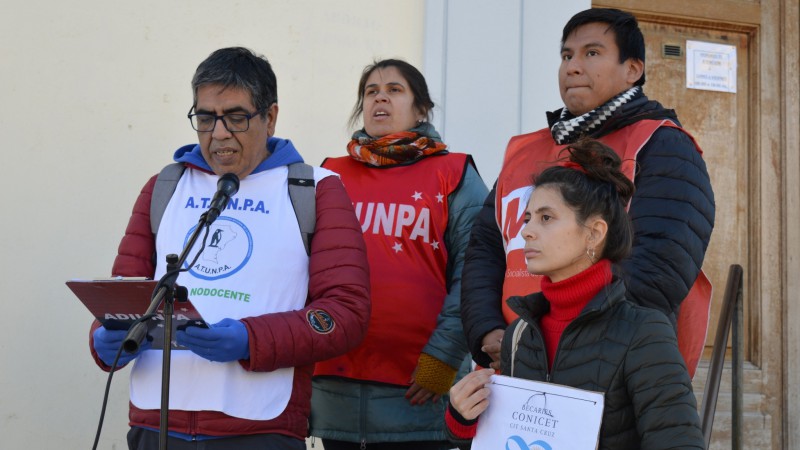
pixel 228 248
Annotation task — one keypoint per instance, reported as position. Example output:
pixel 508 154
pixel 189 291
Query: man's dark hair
pixel 238 67
pixel 628 36
pixel 414 78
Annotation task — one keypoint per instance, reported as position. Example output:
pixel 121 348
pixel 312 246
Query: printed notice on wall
pixel 533 415
pixel 710 66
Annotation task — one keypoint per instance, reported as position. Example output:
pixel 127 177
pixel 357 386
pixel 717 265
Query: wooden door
pixel 718 121
pixel 724 127
pixel 750 143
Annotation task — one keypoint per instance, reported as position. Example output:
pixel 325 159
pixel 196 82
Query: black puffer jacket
pixel 624 350
pixel 672 212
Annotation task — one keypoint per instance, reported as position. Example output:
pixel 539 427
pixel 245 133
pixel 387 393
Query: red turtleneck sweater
pixel 567 299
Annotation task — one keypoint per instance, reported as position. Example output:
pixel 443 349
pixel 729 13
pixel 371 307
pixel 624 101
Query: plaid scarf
pixel 569 129
pixel 396 148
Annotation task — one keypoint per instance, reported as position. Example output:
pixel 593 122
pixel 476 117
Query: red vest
pixel 530 154
pixel 403 211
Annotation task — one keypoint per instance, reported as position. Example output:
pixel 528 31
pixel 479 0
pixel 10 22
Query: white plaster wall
pixel 94 101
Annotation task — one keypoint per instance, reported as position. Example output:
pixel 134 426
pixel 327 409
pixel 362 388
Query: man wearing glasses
pixel 273 309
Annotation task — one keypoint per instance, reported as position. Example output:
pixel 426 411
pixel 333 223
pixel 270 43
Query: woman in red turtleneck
pixel 580 331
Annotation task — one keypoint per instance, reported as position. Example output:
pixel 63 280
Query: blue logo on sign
pixel 517 443
pixel 228 249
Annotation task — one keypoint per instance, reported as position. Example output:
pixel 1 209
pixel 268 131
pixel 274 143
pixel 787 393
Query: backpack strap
pixel 165 186
pixel 518 329
pixel 303 194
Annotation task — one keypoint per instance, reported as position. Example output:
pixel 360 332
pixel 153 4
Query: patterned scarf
pixel 396 148
pixel 567 130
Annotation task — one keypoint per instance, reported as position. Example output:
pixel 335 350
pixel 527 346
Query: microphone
pixel 227 186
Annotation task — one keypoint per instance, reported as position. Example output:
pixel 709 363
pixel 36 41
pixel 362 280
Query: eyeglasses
pixel 235 123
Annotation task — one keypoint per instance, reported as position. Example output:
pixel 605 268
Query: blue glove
pixel 107 342
pixel 224 341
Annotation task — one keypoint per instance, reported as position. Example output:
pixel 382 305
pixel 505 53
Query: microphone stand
pixel 137 333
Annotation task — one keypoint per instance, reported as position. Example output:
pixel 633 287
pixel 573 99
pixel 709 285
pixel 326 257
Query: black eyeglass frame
pixel 248 116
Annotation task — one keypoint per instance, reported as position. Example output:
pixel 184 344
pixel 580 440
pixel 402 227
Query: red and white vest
pixel 530 154
pixel 403 211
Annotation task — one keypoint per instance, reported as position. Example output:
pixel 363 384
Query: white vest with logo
pixel 254 263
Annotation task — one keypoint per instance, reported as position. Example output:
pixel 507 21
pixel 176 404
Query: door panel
pixel 720 123
pixel 717 121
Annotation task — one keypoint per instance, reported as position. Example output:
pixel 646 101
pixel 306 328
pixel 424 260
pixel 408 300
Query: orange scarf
pixel 394 148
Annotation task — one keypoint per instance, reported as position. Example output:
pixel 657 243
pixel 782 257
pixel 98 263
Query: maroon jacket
pixel 338 284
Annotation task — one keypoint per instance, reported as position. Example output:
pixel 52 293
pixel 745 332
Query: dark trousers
pixel 143 439
pixel 330 444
